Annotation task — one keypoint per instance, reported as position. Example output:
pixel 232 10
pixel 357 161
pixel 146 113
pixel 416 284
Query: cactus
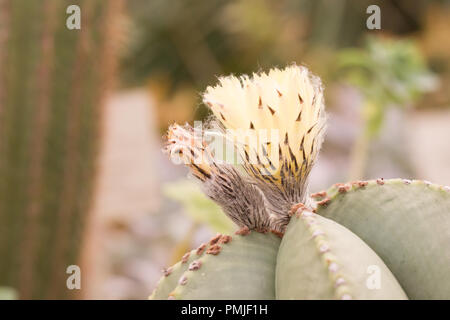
pixel 52 87
pixel 406 222
pixel 320 258
pixel 330 239
pixel 172 275
pixel 248 259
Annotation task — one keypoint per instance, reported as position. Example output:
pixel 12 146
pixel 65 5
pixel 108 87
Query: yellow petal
pixel 277 120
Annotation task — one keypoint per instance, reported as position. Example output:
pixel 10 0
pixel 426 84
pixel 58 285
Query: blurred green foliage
pixel 388 72
pixel 198 207
pixel 7 293
pixel 196 40
pixel 191 42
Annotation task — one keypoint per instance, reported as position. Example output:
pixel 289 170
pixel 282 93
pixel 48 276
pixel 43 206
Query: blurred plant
pixel 172 105
pixel 200 209
pixel 185 44
pixel 195 40
pixel 7 293
pixel 434 42
pixel 434 36
pixel 388 73
pixel 188 43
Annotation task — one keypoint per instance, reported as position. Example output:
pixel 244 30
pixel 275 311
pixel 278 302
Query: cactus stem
pixel 217 275
pixel 73 135
pixel 383 200
pixel 39 129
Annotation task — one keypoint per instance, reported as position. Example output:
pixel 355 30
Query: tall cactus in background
pixel 53 83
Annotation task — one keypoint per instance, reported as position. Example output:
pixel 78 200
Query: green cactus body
pixel 320 259
pixel 407 223
pixel 53 83
pixel 173 274
pixel 243 268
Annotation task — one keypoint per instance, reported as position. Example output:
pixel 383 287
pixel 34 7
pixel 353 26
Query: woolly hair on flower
pixel 276 121
pixel 239 198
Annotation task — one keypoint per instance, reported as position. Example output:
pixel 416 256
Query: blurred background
pixel 82 177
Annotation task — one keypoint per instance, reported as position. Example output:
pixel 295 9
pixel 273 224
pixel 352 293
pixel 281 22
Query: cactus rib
pixel 172 274
pixel 241 268
pixel 314 262
pixel 406 222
